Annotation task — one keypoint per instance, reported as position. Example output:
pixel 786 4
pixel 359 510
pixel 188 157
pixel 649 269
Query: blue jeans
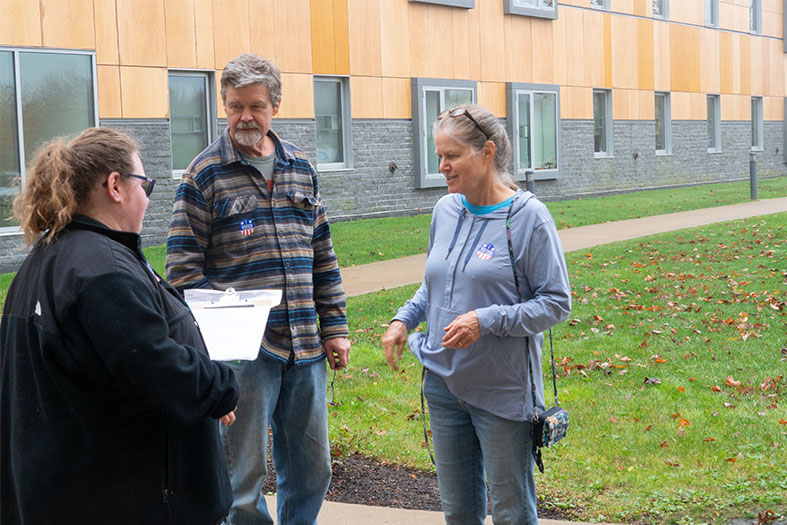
pixel 469 441
pixel 292 401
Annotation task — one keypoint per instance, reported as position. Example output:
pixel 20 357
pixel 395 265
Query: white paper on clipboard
pixel 232 322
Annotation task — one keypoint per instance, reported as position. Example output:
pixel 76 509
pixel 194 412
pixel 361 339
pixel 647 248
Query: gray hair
pixel 251 68
pixel 463 130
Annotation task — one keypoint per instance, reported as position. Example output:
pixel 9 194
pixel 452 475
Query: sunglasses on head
pixel 147 182
pixel 453 113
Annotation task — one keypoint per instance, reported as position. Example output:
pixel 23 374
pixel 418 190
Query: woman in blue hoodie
pixel 484 331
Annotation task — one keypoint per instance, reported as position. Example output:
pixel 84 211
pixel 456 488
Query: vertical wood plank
pixel 418 25
pixel 745 67
pixel 261 33
pixel 142 37
pixel 440 38
pixel 543 52
pixel 394 39
pixel 323 37
pixel 725 63
pixel 710 81
pixel 68 24
pixel 203 29
pixel 106 32
pixel 109 102
pixel 20 24
pixel 684 58
pixel 492 96
pixel 396 98
pixel 145 92
pixel 367 97
pixel 181 35
pixel 297 99
pixel 342 32
pixel 292 35
pixel 231 34
pixel 364 33
pixel 576 61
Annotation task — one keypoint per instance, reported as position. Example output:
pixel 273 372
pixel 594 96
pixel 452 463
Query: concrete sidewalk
pixel 367 278
pixel 347 514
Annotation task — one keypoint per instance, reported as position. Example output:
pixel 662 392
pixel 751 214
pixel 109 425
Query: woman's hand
pixel 462 331
pixel 228 419
pixel 393 343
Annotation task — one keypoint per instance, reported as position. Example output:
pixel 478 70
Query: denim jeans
pixel 293 402
pixel 469 441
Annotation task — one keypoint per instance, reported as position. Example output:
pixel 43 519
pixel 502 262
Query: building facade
pixel 598 96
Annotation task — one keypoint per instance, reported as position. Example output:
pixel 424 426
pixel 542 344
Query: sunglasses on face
pixel 453 113
pixel 147 182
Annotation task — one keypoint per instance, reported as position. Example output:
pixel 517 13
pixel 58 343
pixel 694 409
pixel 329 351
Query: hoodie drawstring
pixel 456 232
pixel 475 243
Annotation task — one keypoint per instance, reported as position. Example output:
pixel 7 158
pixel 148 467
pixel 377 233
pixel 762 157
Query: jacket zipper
pixel 165 491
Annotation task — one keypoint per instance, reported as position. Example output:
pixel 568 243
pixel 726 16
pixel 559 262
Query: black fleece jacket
pixel 108 398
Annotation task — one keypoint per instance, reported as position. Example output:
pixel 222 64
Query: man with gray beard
pixel 248 215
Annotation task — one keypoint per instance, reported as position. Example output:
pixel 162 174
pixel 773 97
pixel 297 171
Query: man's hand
pixel 338 351
pixel 393 343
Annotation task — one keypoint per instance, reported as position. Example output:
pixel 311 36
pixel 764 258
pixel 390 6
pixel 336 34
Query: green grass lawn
pixel 702 311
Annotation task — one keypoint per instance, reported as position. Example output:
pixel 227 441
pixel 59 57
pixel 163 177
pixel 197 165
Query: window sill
pixel 663 153
pixel 603 156
pixel 714 150
pixel 333 169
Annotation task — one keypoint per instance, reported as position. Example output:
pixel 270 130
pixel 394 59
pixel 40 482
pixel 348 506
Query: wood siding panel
pixel 396 98
pixel 493 65
pixel 68 24
pixel 521 60
pixel 492 95
pixel 181 33
pixel 735 108
pixel 559 50
pixel 142 39
pixel 109 100
pixel 106 32
pixel 681 105
pixel 292 35
pixel 622 6
pixel 593 37
pixel 364 33
pixel 231 37
pixel 576 103
pixel 624 52
pixel 20 24
pixel 367 97
pixel 342 31
pixel 144 91
pixel 203 28
pixel 773 109
pixel 262 33
pixel 323 37
pixel 745 67
pixel 394 39
pixel 465 48
pixel 440 38
pixel 661 57
pixel 687 12
pixel 418 19
pixel 684 58
pixel 645 55
pixel 607 50
pixel 725 63
pixel 776 54
pixel 710 81
pixel 543 53
pixel 698 106
pixel 576 74
pixel 297 98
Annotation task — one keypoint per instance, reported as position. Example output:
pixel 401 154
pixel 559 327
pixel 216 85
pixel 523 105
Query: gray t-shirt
pixel 263 164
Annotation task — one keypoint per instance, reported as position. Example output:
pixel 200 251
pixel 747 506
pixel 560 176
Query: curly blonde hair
pixel 62 175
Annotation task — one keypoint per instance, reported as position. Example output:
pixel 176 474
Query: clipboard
pixel 232 322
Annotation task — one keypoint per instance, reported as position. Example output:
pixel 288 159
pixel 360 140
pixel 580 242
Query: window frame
pixel 757 124
pixel 419 87
pixel 609 125
pixel 712 13
pixel 716 122
pixel 210 108
pixel 510 8
pixel 665 14
pixel 346 116
pixel 667 124
pixel 15 51
pixel 513 89
pixel 755 17
pixel 464 4
pixel 604 5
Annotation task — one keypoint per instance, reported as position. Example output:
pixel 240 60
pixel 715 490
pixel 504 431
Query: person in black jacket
pixel 108 398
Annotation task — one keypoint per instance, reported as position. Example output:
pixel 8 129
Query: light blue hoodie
pixel 468 268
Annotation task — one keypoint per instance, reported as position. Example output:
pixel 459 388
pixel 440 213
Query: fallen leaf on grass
pixel 672 463
pixel 709 439
pixel 730 381
pixel 729 405
pixel 663 444
pixel 681 389
pixel 783 421
pixel 716 388
pixel 652 381
pixel 683 422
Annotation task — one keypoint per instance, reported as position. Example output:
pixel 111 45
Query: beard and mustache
pixel 248 134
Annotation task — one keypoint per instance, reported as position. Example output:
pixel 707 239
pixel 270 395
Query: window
pixel 661 9
pixel 536 8
pixel 602 122
pixel 43 95
pixel 756 124
pixel 534 124
pixel 467 4
pixel 755 16
pixel 332 121
pixel 430 97
pixel 191 129
pixel 663 124
pixel 714 123
pixel 712 13
pixel 599 4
